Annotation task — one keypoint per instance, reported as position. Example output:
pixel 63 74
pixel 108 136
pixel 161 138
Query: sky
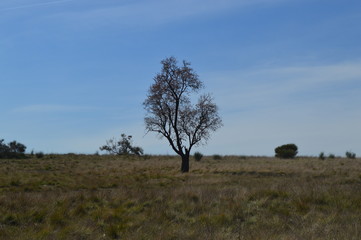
pixel 75 73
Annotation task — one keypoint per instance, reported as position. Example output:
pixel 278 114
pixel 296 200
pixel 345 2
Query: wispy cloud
pixel 272 86
pixel 49 108
pixel 149 13
pixel 24 5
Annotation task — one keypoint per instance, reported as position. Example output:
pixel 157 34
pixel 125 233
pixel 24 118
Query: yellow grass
pixel 107 197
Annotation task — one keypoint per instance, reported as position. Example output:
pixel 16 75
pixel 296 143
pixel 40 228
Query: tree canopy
pixel 170 111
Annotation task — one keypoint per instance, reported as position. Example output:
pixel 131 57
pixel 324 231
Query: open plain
pixel 110 197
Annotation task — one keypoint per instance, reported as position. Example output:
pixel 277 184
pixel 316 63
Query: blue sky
pixel 75 72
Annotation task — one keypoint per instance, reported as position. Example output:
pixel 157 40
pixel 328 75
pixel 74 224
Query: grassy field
pixel 107 197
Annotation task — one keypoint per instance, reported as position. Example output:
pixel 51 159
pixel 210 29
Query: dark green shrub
pixel 350 155
pixel 286 151
pixel 331 155
pixel 198 156
pixel 322 156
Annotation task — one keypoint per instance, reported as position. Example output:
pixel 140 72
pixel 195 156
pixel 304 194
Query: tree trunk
pixel 185 163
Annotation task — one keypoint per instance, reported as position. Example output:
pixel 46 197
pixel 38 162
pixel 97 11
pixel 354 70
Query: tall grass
pixel 108 197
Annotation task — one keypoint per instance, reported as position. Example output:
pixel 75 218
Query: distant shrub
pixel 322 156
pixel 217 157
pixel 286 151
pixel 331 155
pixel 12 149
pixel 350 155
pixel 124 146
pixel 39 154
pixel 198 156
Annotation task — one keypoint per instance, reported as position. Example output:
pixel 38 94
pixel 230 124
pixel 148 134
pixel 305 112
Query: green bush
pixel 198 156
pixel 286 151
pixel 331 155
pixel 350 155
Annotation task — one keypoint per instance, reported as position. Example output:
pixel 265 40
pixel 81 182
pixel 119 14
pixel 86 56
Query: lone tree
pixel 171 114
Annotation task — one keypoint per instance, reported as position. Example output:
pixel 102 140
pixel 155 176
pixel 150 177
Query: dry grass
pixel 105 197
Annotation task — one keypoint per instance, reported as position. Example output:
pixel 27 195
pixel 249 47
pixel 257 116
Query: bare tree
pixel 124 146
pixel 171 114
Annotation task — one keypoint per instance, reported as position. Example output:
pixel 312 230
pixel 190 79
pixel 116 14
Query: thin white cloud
pixel 45 108
pixel 271 86
pixel 321 74
pixel 149 13
pixel 24 5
